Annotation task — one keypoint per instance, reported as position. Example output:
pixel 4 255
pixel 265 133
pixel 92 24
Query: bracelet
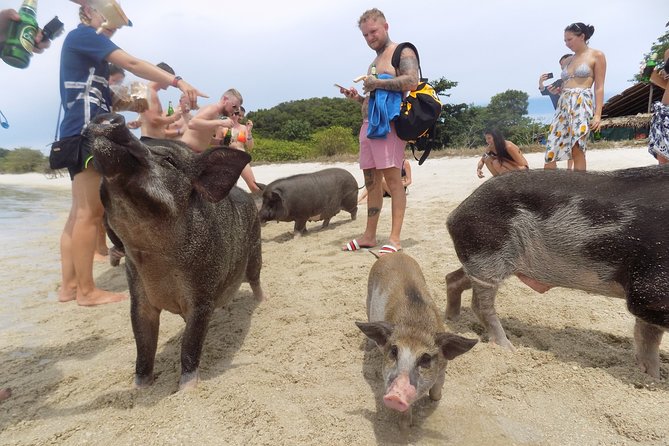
pixel 176 80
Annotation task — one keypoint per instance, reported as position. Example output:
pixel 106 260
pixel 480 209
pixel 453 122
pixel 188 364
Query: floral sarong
pixel 658 140
pixel 571 124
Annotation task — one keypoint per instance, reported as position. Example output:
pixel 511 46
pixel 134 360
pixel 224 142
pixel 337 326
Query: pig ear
pixel 217 171
pixel 452 345
pixel 378 332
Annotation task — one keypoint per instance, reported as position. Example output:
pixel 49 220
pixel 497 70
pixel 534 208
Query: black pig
pixel 190 236
pixel 310 197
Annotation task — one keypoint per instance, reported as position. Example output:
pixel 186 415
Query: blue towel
pixel 384 106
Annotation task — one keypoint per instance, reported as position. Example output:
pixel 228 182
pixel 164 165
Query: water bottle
pixel 18 48
pixel 373 73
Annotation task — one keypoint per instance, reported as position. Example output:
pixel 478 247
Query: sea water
pixel 31 221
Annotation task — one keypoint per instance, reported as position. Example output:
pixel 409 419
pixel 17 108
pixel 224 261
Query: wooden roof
pixel 632 101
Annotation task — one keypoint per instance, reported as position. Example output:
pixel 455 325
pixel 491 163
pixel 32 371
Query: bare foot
pixel 5 393
pixel 67 295
pixel 100 258
pixel 99 297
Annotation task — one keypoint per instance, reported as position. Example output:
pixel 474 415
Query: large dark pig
pixel 601 232
pixel 190 236
pixel 310 197
pixel 406 325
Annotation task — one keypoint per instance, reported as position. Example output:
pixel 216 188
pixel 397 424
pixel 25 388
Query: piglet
pixel 405 324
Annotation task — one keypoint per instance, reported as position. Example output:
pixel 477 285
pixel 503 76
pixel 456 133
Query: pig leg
pixel 197 322
pixel 483 305
pixel 647 338
pixel 435 390
pixel 326 222
pixel 300 227
pixel 456 282
pixel 253 268
pixel 405 420
pixel 145 320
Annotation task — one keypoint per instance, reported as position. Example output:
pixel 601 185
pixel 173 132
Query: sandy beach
pixel 293 370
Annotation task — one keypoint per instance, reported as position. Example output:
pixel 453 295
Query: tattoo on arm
pixel 372 212
pixel 408 73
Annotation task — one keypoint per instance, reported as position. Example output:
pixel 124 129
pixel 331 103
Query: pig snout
pixel 111 126
pixel 401 394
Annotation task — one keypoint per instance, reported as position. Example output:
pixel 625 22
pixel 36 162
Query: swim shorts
pixel 381 153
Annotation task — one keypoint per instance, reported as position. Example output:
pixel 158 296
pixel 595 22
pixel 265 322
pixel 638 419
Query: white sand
pixel 292 370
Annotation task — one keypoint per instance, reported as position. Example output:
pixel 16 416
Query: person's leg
pixel 550 166
pixel 570 164
pixel 68 288
pixel 374 204
pixel 578 156
pixel 250 180
pixel 87 218
pixel 662 160
pixel 493 165
pixel 398 202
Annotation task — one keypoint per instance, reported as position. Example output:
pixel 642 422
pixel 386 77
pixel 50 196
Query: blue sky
pixel 280 51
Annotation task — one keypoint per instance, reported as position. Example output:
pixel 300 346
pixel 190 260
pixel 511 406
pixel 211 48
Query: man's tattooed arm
pixel 408 73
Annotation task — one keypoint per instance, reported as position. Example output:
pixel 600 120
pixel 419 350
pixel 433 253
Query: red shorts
pixel 381 153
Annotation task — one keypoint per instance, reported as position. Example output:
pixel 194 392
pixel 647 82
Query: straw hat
pixel 110 9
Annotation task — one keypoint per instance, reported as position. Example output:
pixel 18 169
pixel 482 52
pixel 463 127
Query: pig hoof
pixel 452 314
pixel 188 381
pixel 649 366
pixel 143 382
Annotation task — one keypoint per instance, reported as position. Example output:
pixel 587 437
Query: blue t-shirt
pixel 84 78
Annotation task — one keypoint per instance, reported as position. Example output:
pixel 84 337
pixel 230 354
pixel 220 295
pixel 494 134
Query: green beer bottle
pixel 170 109
pixel 18 48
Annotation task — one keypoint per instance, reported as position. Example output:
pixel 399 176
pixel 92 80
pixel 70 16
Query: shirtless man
pixel 202 127
pixel 382 158
pixel 177 129
pixel 153 120
pixel 241 139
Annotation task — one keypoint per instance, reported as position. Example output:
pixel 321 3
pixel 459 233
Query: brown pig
pixel 405 324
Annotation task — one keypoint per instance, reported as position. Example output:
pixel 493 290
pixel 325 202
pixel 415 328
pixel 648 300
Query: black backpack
pixel 419 112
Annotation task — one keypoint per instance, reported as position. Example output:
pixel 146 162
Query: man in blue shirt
pixel 85 93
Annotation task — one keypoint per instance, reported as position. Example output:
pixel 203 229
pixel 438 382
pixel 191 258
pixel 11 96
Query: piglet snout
pixel 400 395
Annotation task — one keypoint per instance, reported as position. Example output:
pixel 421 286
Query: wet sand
pixel 293 370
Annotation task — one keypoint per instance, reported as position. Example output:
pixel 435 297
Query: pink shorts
pixel 381 153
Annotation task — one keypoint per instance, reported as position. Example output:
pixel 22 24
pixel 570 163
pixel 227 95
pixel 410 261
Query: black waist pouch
pixel 65 152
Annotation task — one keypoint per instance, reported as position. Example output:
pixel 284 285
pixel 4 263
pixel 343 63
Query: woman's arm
pixel 600 74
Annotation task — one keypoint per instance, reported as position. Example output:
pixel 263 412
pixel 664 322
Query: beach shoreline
pixel 293 369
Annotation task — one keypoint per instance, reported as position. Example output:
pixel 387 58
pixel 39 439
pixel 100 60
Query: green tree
pixel 657 50
pixel 317 113
pixel 23 160
pixel 506 110
pixel 4 152
pixel 334 140
pixel 295 129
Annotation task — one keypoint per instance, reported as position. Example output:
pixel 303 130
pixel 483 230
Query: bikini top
pixel 582 71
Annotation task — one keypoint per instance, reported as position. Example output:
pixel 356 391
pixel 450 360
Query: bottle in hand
pixel 18 48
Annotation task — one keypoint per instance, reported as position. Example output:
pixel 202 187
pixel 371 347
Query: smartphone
pixel 549 75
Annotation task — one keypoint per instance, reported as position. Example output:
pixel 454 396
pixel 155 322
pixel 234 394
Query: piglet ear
pixel 378 332
pixel 217 171
pixel 452 345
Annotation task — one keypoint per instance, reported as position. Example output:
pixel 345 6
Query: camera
pixel 52 29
